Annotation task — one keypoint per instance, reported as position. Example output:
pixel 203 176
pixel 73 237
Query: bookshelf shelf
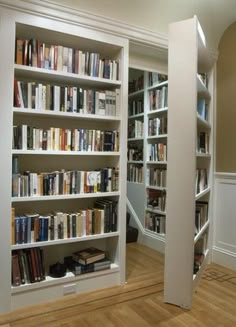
pixel 186 210
pixel 134 139
pixel 203 155
pixel 64 197
pixel 138 183
pixel 202 122
pixel 203 193
pixel 156 162
pixel 136 116
pixel 63 115
pixel 135 162
pixel 135 94
pixel 69 278
pixel 65 153
pixel 61 77
pixel 157 111
pixel 201 232
pixel 156 211
pixel 156 86
pixel 162 136
pixel 156 187
pixel 202 89
pixel 64 241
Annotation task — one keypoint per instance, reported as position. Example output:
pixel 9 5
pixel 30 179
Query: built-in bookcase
pixel 148 112
pixel 156 157
pixel 65 123
pixel 190 161
pixel 135 155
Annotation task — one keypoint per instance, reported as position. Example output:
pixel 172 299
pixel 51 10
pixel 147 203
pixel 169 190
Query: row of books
pixel 27 137
pixel 39 96
pixel 135 173
pixel 156 176
pixel 135 153
pixel 201 215
pixel 65 182
pixel 203 142
pixel 135 128
pixel 36 53
pixel 28 266
pixel 157 126
pixel 157 152
pixel 201 180
pixel 156 78
pixel 156 199
pixel 155 222
pixel 30 228
pixel 135 107
pixel 158 98
pixel 136 84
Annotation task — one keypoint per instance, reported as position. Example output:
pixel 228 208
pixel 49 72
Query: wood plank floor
pixel 139 302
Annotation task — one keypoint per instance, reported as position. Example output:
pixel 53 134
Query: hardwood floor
pixel 139 302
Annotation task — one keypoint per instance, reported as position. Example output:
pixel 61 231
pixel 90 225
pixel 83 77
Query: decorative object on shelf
pixel 57 270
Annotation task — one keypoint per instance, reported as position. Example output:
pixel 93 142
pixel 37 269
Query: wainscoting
pixel 224 220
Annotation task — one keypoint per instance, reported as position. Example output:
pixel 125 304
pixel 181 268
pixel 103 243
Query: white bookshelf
pixel 136 112
pixel 188 57
pixel 155 112
pixel 22 25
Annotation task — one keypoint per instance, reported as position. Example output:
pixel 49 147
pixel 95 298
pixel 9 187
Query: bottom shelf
pixel 197 276
pixel 70 277
pixel 53 288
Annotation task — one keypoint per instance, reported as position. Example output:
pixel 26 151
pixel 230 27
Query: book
pixel 16 276
pixel 88 255
pixel 13 225
pixel 19 52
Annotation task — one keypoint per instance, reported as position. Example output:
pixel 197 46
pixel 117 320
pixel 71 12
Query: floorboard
pixel 139 302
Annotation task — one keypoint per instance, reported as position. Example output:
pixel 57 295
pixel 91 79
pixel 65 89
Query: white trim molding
pixel 224 257
pixel 64 13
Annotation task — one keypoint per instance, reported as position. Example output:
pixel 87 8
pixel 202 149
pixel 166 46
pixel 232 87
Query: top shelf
pixel 204 58
pixel 23 71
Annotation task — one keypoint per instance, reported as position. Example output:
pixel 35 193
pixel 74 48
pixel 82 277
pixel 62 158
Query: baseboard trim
pixel 224 258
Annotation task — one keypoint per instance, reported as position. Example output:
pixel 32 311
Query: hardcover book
pixel 88 255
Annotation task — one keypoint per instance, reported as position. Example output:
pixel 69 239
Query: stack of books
pixel 87 260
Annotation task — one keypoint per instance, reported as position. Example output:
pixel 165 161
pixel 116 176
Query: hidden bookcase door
pixel 190 161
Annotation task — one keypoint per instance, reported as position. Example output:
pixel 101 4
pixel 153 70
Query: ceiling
pixel 155 15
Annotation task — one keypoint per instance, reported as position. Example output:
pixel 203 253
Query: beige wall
pixel 226 102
